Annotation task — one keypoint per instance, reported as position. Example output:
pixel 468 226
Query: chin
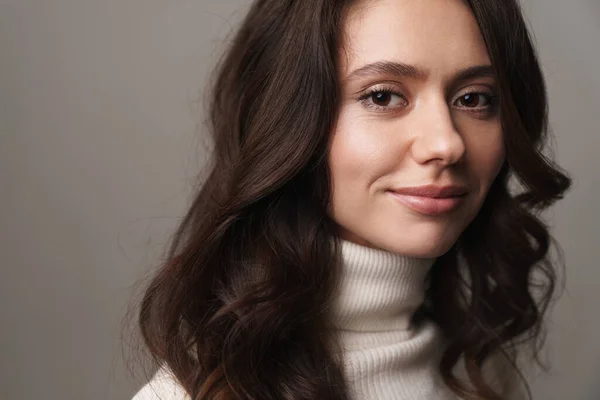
pixel 419 250
pixel 420 240
pixel 418 244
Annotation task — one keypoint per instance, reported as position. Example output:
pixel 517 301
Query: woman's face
pixel 418 140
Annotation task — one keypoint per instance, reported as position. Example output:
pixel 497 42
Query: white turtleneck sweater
pixel 386 356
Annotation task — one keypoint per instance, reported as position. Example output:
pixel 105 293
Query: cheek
pixel 347 176
pixel 356 160
pixel 354 155
pixel 363 146
pixel 487 156
pixel 346 157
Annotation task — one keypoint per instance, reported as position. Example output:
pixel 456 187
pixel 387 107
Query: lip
pixel 431 199
pixel 432 191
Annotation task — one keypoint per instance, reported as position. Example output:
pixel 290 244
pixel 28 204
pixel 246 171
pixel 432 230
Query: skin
pixel 429 130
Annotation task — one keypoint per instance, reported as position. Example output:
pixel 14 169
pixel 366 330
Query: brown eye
pixel 471 100
pixel 382 99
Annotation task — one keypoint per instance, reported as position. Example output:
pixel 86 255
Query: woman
pixel 356 237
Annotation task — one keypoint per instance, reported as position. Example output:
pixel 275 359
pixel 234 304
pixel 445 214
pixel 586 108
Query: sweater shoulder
pixel 162 386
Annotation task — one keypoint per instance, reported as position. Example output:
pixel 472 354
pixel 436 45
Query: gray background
pixel 99 148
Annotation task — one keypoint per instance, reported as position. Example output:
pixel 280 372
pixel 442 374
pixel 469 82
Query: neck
pixel 379 290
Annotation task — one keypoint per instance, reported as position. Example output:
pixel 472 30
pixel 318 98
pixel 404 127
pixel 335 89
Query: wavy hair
pixel 239 310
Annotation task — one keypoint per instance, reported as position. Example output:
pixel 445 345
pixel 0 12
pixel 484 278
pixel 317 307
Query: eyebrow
pixel 416 72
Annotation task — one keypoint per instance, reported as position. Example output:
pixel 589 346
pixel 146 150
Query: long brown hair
pixel 239 309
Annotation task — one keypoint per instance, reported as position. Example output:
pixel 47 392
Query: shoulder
pixel 162 386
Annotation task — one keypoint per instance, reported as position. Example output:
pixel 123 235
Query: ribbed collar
pixel 378 290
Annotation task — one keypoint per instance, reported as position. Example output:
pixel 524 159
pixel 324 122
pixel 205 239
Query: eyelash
pixel 491 97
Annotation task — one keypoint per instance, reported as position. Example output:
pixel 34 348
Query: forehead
pixel 440 35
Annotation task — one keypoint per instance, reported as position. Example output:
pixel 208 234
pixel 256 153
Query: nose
pixel 437 139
